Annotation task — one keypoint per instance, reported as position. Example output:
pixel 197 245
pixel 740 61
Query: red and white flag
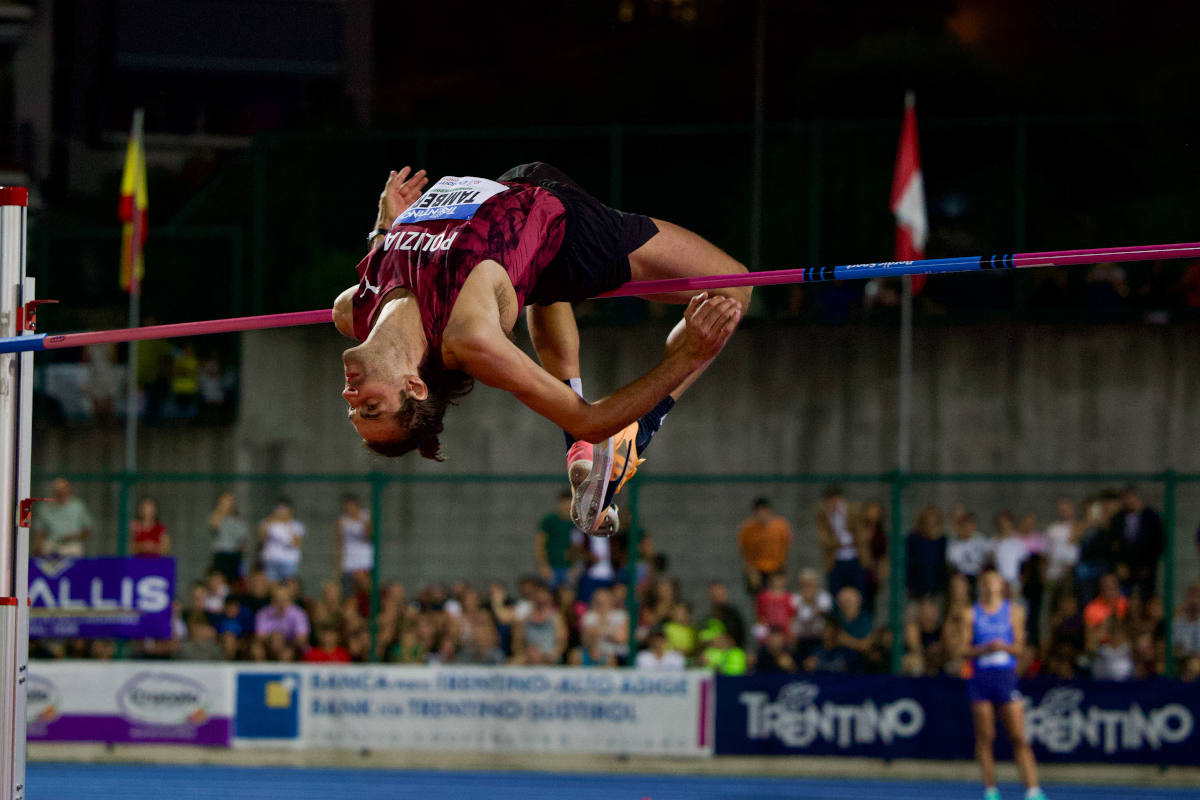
pixel 908 194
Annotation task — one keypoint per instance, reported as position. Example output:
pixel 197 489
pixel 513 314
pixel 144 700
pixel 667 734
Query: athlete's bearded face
pixel 375 393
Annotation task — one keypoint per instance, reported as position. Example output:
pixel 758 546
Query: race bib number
pixel 451 198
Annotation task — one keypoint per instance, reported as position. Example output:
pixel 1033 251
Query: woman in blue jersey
pixel 994 633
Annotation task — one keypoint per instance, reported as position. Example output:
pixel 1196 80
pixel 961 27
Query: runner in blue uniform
pixel 994 633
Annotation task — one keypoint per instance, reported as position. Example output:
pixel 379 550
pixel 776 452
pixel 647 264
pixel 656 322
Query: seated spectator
pixel 258 592
pixel 201 643
pixel 609 622
pixel 329 648
pixel 590 652
pixel 1110 602
pixel 722 617
pixel 657 657
pixel 774 608
pixel 541 638
pixel 482 646
pixel 1149 656
pixel 925 650
pixel 233 619
pixel 282 618
pixel 1066 634
pixel 218 591
pixel 969 550
pixel 724 656
pixel 856 628
pixel 773 657
pixel 1187 628
pixel 958 598
pixel 150 537
pixel 831 656
pixel 812 605
pixel 1111 650
pixel 679 631
pixel 1062 552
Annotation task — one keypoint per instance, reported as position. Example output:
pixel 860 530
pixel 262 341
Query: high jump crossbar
pixel 878 269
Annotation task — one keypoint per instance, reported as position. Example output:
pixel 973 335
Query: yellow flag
pixel 133 209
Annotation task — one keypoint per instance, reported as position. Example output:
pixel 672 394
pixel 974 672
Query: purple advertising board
pixel 111 598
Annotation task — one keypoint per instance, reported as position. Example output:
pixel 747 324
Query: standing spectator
pixel 878 567
pixel 102 382
pixel 969 550
pixel 154 374
pixel 609 623
pixel 352 547
pixel 1187 628
pixel 282 619
pixel 1138 543
pixel 229 534
pixel 281 534
pixel 774 608
pixel 656 656
pixel 599 572
pixel 150 537
pixel 926 546
pixel 1032 575
pixel 764 540
pixel 541 638
pixel 553 543
pixel 1010 552
pixel 813 604
pixel 185 382
pixel 722 617
pixel 61 524
pixel 1062 552
pixel 843 541
pixel 1095 545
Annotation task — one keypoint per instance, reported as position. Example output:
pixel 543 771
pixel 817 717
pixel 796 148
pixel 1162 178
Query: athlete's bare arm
pixel 474 342
pixel 966 623
pixel 343 312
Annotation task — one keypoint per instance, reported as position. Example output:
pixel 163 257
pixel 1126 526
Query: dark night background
pixel 270 125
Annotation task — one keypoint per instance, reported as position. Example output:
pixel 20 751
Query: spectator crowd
pixel 1088 580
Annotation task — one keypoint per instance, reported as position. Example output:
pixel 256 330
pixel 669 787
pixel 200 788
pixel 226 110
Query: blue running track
pixel 139 782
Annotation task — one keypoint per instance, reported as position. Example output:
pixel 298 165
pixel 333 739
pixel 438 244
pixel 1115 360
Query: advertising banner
pixel 478 709
pixel 881 716
pixel 144 702
pixel 118 598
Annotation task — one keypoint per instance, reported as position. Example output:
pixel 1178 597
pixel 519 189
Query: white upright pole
pixel 16 385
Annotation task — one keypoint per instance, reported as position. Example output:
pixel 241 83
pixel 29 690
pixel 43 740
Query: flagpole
pixel 904 434
pixel 131 386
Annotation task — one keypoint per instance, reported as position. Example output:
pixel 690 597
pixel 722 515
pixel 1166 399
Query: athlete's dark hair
pixel 422 419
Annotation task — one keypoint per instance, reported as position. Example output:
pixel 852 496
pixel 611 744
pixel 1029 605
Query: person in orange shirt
pixel 764 540
pixel 1109 602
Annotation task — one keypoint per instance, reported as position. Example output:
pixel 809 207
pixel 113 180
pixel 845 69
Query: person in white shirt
pixel 657 657
pixel 1062 552
pixel 1010 551
pixel 281 534
pixel 353 550
pixel 813 604
pixel 969 550
pixel 608 623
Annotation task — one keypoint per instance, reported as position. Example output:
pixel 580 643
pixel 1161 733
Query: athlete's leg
pixel 676 252
pixel 555 338
pixel 1012 714
pixel 984 717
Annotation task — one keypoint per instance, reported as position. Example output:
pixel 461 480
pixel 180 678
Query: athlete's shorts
pixel 995 686
pixel 597 240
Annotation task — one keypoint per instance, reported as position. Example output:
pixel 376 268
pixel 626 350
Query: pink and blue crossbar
pixel 879 269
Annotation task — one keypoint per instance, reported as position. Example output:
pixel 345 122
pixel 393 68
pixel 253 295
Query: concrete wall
pixel 1003 398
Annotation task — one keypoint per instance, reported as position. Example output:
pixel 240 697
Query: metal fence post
pixel 897 569
pixel 1170 487
pixel 378 483
pixel 633 543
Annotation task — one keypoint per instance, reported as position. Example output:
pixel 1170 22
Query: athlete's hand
pixel 401 191
pixel 708 324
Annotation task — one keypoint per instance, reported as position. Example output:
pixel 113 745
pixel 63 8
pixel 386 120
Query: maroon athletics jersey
pixel 457 223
